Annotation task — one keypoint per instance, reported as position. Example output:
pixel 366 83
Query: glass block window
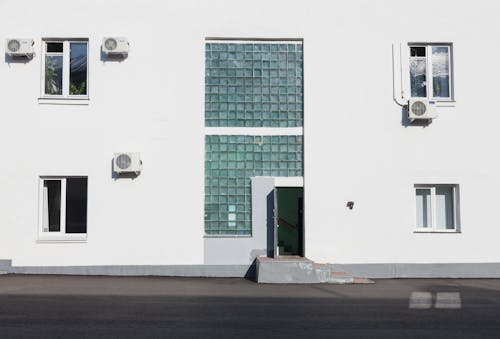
pixel 230 162
pixel 253 85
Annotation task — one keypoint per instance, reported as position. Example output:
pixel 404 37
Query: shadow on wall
pixel 116 176
pixel 112 57
pixel 17 60
pixel 270 224
pixel 405 121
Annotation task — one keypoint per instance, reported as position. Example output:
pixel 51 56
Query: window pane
pixel 441 72
pixel 417 51
pixel 51 206
pixel 78 69
pixel 444 208
pixel 423 207
pixel 54 47
pixel 76 205
pixel 418 69
pixel 53 74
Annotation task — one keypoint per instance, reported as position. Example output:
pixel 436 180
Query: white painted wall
pixel 153 102
pixel 356 148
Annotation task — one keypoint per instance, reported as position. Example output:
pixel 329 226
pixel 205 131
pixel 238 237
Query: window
pixel 436 207
pixel 63 208
pixel 430 71
pixel 65 68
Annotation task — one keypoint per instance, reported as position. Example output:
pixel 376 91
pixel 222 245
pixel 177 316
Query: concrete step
pixel 323 272
pixel 327 274
pixel 341 278
pixel 299 270
pixel 285 270
pixel 363 281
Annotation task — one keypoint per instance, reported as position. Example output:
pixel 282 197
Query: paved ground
pixel 145 307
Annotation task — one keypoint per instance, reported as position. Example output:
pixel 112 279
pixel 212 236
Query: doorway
pixel 289 221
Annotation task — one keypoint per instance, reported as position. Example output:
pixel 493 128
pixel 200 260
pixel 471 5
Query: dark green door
pixel 290 221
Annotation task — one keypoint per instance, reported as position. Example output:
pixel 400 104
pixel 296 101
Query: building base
pixel 304 270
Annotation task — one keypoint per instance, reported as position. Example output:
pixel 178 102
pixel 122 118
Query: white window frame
pixel 432 227
pixel 428 75
pixel 65 96
pixel 60 236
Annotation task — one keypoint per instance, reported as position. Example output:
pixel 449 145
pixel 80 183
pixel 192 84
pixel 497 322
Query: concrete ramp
pixel 299 270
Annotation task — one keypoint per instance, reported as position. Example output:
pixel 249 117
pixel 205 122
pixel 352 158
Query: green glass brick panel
pixel 253 85
pixel 230 162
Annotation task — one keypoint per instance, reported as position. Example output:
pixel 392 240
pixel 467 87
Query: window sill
pixel 425 230
pixel 226 236
pixel 63 101
pixel 73 238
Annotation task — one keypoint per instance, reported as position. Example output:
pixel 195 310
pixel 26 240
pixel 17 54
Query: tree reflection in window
pixel 78 68
pixel 53 74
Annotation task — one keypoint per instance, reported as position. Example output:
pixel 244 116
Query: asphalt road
pixel 157 307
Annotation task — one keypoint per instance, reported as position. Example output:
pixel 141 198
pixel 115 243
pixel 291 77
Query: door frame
pixel 288 182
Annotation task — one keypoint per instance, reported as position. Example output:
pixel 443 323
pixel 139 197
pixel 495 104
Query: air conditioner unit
pixel 127 163
pixel 421 109
pixel 115 46
pixel 19 47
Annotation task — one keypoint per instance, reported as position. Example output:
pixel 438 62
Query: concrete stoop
pixel 299 270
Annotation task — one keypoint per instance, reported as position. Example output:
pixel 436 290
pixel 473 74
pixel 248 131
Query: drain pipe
pixel 397 99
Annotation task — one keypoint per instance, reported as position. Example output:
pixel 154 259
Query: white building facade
pixel 240 110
